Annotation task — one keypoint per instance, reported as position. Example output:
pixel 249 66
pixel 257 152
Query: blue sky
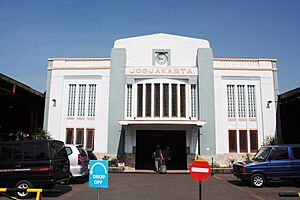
pixel 31 31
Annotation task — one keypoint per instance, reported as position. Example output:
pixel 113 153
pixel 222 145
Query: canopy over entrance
pixel 162 122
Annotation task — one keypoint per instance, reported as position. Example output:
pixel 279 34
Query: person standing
pixel 158 157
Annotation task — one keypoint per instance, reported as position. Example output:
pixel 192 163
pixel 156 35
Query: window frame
pixel 72 140
pixel 82 136
pixel 93 138
pixel 244 131
pixel 229 141
pixel 256 148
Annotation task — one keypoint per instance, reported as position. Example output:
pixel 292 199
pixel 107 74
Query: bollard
pixel 30 190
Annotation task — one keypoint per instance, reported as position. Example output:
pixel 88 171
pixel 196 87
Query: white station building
pixel 165 90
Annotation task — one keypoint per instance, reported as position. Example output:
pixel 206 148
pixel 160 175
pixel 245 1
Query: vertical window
pixel 251 101
pixel 230 101
pixel 71 100
pixel 253 141
pixel 193 100
pixel 129 100
pixel 92 100
pixel 243 140
pixel 81 100
pixel 241 100
pixel 148 100
pixel 232 140
pixel 69 136
pixel 166 100
pixel 156 99
pixel 174 100
pixel 140 100
pixel 182 101
pixel 79 135
pixel 90 139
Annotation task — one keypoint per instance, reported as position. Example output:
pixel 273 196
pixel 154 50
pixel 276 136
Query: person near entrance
pixel 158 156
pixel 167 154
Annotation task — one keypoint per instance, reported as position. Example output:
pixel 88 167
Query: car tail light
pixel 79 159
pixel 243 169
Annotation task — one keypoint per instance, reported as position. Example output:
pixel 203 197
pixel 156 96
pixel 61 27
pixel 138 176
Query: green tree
pixel 41 134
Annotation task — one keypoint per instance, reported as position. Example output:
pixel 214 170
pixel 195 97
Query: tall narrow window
pixel 174 100
pixel 140 100
pixel 182 101
pixel 241 100
pixel 92 100
pixel 156 99
pixel 253 141
pixel 69 135
pixel 193 100
pixel 148 100
pixel 71 100
pixel 166 100
pixel 90 138
pixel 81 100
pixel 129 100
pixel 79 135
pixel 243 140
pixel 230 101
pixel 251 101
pixel 232 140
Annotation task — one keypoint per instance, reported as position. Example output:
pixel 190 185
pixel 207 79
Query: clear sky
pixel 31 31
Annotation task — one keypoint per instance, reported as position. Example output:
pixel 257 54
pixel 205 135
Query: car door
pixel 60 160
pixel 296 161
pixel 279 163
pixel 10 167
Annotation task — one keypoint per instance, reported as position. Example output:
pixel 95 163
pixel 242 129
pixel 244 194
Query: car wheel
pixel 258 180
pixel 23 185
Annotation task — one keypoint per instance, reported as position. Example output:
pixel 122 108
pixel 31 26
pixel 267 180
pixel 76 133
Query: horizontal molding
pixel 245 68
pixel 79 68
pixel 245 59
pixel 80 59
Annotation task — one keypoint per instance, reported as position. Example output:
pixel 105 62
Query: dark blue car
pixel 278 162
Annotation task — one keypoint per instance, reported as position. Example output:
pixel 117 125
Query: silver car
pixel 79 160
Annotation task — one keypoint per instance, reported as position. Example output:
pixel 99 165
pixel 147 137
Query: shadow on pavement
pixel 80 180
pixel 272 184
pixel 61 188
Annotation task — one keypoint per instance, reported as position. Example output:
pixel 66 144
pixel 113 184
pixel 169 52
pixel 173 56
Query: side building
pixel 21 109
pixel 162 90
pixel 289 105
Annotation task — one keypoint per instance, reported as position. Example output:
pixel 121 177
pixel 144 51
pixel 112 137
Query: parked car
pixel 78 160
pixel 33 163
pixel 278 162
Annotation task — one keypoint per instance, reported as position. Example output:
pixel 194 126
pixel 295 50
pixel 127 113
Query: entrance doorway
pixel 146 142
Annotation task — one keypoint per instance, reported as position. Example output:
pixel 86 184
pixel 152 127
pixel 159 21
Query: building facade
pixel 162 90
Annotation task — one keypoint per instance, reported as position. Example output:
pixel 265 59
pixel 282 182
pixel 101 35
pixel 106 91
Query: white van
pixel 78 160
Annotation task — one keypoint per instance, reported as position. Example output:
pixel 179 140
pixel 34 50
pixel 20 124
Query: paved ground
pixel 135 186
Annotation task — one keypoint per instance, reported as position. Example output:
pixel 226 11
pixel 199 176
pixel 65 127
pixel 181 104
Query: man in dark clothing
pixel 158 158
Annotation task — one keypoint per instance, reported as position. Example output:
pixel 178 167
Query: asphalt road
pixel 171 186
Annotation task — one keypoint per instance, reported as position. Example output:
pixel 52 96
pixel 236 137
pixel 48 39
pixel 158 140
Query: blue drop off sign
pixel 98 174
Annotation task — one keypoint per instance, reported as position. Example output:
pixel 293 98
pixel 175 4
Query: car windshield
pixel 262 153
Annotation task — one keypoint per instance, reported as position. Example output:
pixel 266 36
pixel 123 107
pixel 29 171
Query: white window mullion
pixel 178 100
pixel 161 99
pixel 144 100
pixel 170 100
pixel 152 100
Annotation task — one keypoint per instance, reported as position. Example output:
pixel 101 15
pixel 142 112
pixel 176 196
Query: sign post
pixel 200 170
pixel 98 175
